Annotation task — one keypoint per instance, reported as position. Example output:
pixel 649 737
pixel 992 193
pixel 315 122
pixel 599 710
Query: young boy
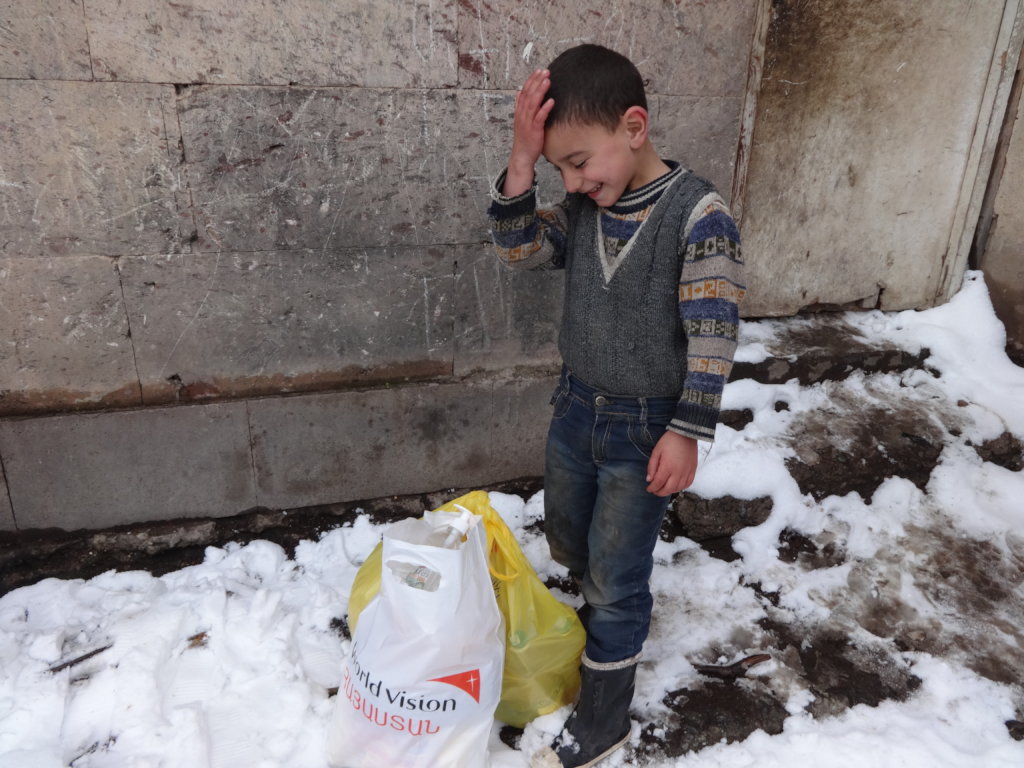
pixel 653 277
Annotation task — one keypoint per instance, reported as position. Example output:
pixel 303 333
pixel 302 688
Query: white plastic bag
pixel 423 678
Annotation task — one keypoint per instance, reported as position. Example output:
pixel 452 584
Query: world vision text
pixel 374 699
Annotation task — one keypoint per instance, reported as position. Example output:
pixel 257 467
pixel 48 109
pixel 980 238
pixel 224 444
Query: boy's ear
pixel 635 120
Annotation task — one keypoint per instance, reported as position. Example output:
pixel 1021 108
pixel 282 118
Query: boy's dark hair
pixel 593 85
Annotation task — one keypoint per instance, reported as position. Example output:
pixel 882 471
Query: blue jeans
pixel 601 523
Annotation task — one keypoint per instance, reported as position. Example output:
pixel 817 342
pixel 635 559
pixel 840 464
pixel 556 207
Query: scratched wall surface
pixel 285 321
pixel 208 203
pixel 681 48
pixel 60 318
pixel 498 323
pixel 44 39
pixel 367 43
pixel 89 168
pixel 327 168
pixel 867 117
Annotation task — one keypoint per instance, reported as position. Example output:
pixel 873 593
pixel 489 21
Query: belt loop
pixel 643 410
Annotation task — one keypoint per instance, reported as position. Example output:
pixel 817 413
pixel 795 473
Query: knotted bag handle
pixel 497 532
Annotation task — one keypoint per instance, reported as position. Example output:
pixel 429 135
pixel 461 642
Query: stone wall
pixel 243 250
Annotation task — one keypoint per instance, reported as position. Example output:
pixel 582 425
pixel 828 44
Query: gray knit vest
pixel 625 337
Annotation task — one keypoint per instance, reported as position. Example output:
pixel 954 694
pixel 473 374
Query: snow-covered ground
pixel 228 663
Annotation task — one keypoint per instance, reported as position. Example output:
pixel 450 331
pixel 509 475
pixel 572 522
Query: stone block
pixel 522 412
pixel 705 519
pixel 66 331
pixel 88 169
pixel 276 168
pixel 44 40
pixel 102 469
pixel 504 318
pixel 320 449
pixel 230 324
pixel 702 133
pixel 383 43
pixel 683 47
pixel 863 138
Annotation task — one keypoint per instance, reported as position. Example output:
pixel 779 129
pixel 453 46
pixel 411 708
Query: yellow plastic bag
pixel 365 586
pixel 543 637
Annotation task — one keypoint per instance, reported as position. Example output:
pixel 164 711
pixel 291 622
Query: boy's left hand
pixel 673 464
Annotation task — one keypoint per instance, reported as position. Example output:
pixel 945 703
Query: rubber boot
pixel 599 724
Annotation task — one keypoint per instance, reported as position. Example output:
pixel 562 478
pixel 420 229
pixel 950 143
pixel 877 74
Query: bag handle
pixel 497 534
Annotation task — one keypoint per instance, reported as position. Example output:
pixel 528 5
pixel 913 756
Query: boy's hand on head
pixel 532 110
pixel 673 464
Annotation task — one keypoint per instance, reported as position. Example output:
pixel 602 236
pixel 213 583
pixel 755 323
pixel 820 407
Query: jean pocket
pixel 561 400
pixel 644 436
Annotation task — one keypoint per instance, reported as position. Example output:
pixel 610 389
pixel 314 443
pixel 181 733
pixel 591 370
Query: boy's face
pixel 593 160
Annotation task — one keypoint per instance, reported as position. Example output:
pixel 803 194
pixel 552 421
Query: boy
pixel 653 280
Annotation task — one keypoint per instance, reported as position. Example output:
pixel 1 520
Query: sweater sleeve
pixel 710 290
pixel 525 236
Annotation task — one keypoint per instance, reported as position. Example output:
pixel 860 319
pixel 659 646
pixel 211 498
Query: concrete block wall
pixel 243 248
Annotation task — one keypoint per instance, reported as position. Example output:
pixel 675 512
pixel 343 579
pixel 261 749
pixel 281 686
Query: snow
pixel 227 663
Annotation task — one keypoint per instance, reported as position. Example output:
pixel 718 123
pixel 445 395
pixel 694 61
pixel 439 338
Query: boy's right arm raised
pixel 524 236
pixel 531 112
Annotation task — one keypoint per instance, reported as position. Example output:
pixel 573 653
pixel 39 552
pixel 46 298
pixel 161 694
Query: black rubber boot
pixel 599 724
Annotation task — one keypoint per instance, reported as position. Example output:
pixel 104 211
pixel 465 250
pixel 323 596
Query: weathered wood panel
pixel 866 120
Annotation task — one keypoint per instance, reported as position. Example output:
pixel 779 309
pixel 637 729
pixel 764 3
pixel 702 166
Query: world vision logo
pixel 466 681
pixel 400 709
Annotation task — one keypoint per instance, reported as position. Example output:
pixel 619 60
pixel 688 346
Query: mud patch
pixel 934 590
pixel 837 672
pixel 794 547
pixel 853 446
pixel 978 586
pixel 1006 451
pixel 737 419
pixel 815 348
pixel 564 583
pixel 709 715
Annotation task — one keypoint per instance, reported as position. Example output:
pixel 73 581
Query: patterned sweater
pixel 707 262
